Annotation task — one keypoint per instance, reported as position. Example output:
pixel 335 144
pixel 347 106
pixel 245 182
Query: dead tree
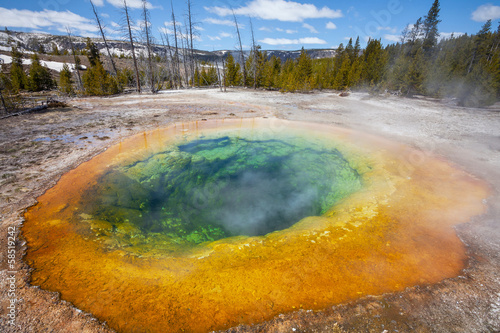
pixel 77 70
pixel 222 78
pixel 131 39
pixel 167 55
pixel 98 20
pixel 147 23
pixel 191 27
pixel 3 102
pixel 176 54
pixel 185 56
pixel 242 56
pixel 254 58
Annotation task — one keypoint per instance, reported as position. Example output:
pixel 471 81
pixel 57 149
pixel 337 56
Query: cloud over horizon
pixel 282 10
pixel 486 12
pixel 51 19
pixel 212 20
pixel 286 41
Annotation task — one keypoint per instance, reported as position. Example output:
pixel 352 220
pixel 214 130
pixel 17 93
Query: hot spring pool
pixel 206 225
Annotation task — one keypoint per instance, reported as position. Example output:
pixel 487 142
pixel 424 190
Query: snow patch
pixel 54 65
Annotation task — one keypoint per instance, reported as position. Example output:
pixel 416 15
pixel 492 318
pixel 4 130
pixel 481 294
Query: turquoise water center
pixel 212 188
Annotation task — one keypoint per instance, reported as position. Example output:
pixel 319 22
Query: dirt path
pixel 36 149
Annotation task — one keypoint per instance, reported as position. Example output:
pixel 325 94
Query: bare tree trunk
pixel 185 39
pixel 224 74
pixel 493 50
pixel 191 48
pixel 148 45
pixel 242 56
pixel 104 37
pixel 219 77
pixel 176 45
pixel 166 57
pixel 131 38
pixel 254 58
pixel 3 103
pixel 80 85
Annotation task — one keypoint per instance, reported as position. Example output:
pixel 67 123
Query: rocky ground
pixel 36 149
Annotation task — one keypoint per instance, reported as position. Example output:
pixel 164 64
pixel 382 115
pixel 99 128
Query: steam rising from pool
pixel 209 189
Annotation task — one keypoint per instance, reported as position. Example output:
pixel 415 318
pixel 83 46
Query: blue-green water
pixel 209 189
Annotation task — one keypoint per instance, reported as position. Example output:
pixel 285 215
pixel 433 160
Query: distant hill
pixel 34 42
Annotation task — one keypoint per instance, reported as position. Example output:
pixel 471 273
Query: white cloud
pixel 48 19
pixel 310 28
pixel 180 35
pixel 286 41
pixel 98 3
pixel 392 38
pixel 171 24
pixel 220 36
pixel 391 30
pixel 288 31
pixel 114 24
pixel 331 26
pixel 448 35
pixel 130 4
pixel 281 10
pixel 486 12
pixel 220 22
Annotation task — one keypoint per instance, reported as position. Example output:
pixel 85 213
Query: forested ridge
pixel 465 67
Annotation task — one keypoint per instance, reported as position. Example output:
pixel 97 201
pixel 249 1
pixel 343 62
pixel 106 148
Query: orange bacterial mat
pixel 395 231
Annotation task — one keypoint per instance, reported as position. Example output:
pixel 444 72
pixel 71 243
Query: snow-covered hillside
pixel 54 65
pixel 33 42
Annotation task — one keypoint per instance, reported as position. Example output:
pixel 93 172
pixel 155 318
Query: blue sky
pixel 278 24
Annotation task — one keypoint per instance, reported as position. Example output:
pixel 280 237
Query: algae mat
pixel 205 225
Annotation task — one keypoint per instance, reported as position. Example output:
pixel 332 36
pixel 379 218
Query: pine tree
pixel 357 47
pixel 430 27
pixel 96 81
pixel 93 53
pixel 303 71
pixel 375 63
pixel 342 79
pixel 286 79
pixel 415 76
pixel 355 72
pixel 414 35
pixel 271 72
pixel 349 49
pixel 65 81
pixel 39 76
pixel 18 78
pixel 232 72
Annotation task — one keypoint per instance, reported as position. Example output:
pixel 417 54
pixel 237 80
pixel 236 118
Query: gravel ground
pixel 36 149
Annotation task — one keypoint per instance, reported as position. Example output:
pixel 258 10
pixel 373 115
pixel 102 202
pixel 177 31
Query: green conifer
pixel 65 81
pixel 18 78
pixel 430 27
